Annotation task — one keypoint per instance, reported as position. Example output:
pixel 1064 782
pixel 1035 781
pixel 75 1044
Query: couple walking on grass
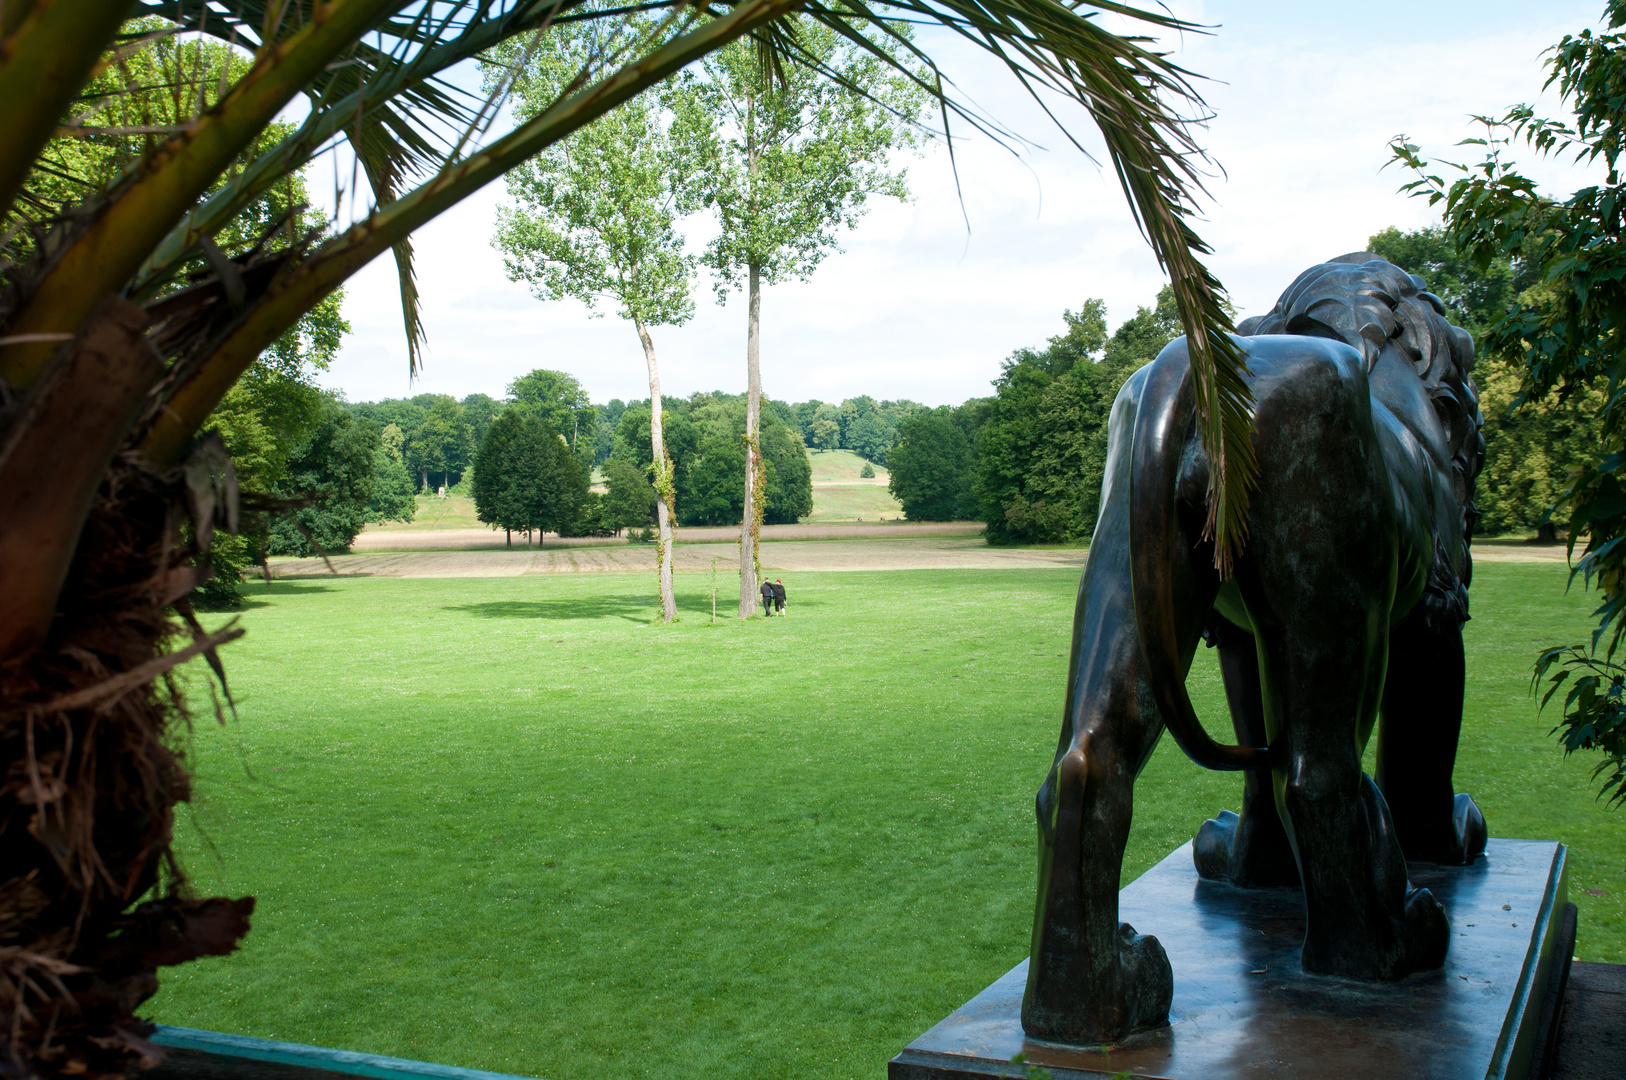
pixel 773 597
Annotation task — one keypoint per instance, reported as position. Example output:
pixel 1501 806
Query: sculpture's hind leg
pixel 1420 721
pixel 1318 581
pixel 1091 978
pixel 1249 849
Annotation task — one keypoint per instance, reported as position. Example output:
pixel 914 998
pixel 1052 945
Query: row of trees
pixel 860 424
pixel 527 477
pixel 441 436
pixel 705 438
pixel 1029 460
pixel 781 156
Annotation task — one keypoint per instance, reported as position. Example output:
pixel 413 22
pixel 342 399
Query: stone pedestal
pixel 1243 1008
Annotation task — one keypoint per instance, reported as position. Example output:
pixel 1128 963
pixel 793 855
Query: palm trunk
pixel 751 526
pixel 664 495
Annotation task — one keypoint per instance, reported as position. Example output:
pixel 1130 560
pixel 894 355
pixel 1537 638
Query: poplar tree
pixel 594 219
pixel 791 157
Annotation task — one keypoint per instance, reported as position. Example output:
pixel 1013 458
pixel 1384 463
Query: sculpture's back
pixel 1367 435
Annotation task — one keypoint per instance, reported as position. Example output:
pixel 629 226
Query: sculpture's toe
pixel 1468 825
pixel 1211 849
pixel 1426 932
pixel 1148 979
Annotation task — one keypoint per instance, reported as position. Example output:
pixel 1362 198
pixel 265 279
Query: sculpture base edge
pixel 1244 1008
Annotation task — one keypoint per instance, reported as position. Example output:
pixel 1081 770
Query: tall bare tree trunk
pixel 751 527
pixel 664 495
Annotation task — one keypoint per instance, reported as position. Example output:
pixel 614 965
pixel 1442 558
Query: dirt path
pixel 779 556
pixel 477 539
pixel 1517 551
pixel 786 549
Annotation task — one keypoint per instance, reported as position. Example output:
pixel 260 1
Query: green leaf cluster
pixel 860 424
pixel 1594 711
pixel 595 215
pixel 336 470
pixel 705 438
pixel 1564 332
pixel 1042 449
pixel 931 467
pixel 439 435
pixel 788 156
pixel 526 478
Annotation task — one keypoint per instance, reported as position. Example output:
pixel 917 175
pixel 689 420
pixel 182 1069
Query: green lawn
pixel 840 494
pixel 842 467
pixel 452 512
pixel 853 502
pixel 508 824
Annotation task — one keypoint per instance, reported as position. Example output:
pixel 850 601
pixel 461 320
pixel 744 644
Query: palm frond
pixel 332 263
pixel 1145 107
pixel 44 61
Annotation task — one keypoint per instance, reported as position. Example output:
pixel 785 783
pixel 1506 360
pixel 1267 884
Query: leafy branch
pixel 1594 711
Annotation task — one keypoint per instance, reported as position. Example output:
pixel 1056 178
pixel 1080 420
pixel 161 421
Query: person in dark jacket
pixel 767 599
pixel 779 596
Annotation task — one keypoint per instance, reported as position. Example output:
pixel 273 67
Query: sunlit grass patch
pixel 508 823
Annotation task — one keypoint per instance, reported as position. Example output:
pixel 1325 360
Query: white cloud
pixel 1306 98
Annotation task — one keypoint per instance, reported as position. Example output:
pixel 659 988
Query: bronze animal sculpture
pixel 1343 612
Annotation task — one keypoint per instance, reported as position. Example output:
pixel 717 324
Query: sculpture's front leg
pixel 1421 719
pixel 1250 849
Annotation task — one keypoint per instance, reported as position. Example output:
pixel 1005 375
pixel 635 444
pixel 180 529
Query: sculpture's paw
pixel 1148 980
pixel 1237 849
pixel 1211 849
pixel 1468 827
pixel 1417 941
pixel 1425 933
pixel 1110 1005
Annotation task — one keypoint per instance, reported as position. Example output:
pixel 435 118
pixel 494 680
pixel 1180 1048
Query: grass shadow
pixel 257 593
pixel 638 609
pixel 632 608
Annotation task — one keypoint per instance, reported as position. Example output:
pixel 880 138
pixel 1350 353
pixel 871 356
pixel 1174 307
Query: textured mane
pixel 1374 306
pixel 1377 308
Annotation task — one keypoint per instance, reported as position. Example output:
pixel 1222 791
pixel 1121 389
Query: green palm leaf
pixel 1134 95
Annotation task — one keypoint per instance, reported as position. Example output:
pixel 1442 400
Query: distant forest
pixel 1026 460
pixel 441 436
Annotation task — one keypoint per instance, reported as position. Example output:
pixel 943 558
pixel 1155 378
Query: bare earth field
pixel 482 537
pixel 779 556
pixel 1517 551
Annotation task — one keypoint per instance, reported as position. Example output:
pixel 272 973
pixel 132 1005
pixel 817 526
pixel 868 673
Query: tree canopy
pixel 704 435
pixel 1042 446
pixel 931 467
pixel 526 479
pixel 1564 332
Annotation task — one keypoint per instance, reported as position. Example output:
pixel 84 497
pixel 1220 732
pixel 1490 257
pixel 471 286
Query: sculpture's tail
pixel 1162 424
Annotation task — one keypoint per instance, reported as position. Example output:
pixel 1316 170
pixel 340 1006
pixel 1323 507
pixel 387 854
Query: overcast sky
pixel 1305 96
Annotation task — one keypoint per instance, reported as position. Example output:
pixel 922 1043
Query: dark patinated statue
pixel 1344 612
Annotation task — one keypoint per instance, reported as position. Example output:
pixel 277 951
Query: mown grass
pixel 508 824
pixel 452 512
pixel 843 467
pixel 854 502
